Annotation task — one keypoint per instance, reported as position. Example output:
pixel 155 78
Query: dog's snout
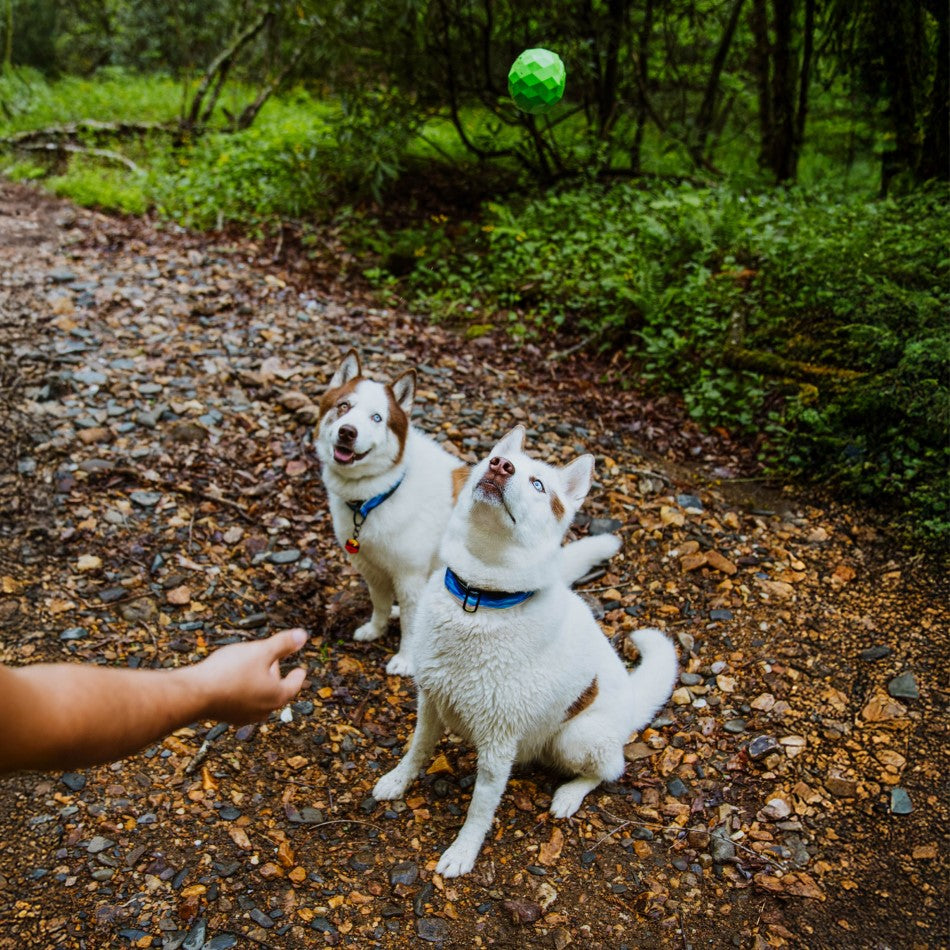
pixel 501 467
pixel 346 434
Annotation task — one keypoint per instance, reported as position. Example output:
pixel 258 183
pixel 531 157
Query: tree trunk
pixel 782 159
pixel 707 109
pixel 642 67
pixel 935 154
pixel 761 58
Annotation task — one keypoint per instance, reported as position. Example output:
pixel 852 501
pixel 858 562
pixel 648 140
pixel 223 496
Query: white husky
pixel 391 490
pixel 509 658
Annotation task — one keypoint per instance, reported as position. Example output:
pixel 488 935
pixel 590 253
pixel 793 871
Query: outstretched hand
pixel 243 682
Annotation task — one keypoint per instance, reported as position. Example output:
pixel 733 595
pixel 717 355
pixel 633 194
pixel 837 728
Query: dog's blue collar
pixel 363 508
pixel 360 510
pixel 472 598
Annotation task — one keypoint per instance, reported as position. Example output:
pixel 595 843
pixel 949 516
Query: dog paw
pixel 458 859
pixel 400 665
pixel 565 802
pixel 369 631
pixel 390 786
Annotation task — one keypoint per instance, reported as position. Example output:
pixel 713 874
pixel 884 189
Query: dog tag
pixel 352 546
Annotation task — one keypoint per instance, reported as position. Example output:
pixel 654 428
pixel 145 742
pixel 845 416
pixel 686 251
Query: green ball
pixel 536 80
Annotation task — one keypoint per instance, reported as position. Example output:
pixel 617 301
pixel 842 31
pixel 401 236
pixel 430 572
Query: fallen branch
pixel 770 364
pixel 84 128
pixel 103 153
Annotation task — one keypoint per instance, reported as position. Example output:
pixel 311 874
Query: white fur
pixel 399 539
pixel 504 679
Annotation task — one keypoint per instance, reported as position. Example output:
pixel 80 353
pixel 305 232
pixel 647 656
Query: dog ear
pixel 349 369
pixel 512 441
pixel 577 477
pixel 404 390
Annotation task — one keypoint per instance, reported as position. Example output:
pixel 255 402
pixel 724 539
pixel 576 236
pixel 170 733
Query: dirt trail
pixel 159 496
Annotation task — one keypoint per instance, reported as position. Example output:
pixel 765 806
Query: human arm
pixel 68 715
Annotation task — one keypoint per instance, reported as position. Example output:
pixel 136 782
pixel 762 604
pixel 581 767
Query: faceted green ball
pixel 536 80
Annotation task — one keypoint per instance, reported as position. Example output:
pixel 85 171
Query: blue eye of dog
pixel 376 417
pixel 537 485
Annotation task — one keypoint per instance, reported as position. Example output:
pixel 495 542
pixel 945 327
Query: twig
pixel 347 821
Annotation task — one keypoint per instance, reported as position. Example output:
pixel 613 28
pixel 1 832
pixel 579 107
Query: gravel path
pixel 159 496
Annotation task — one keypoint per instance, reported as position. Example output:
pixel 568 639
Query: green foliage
pixel 97 187
pixel 834 284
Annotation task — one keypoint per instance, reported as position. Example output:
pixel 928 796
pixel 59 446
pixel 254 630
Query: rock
pixel 229 813
pixel 74 633
pixel 196 936
pixel 775 809
pixel 146 499
pixel 720 562
pixel 877 652
pixel 74 781
pixel 840 786
pixel 221 942
pixel 522 912
pixel 252 621
pixel 604 525
pixel 720 614
pixel 405 873
pixel 287 556
pixel 734 725
pixel 88 562
pixel 689 501
pixel 761 746
pixel 900 802
pixel 721 847
pixel 904 687
pixel 99 843
pixel 432 929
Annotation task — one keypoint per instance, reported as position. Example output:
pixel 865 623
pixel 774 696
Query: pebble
pixel 903 687
pixel 677 788
pixel 405 873
pixel 689 501
pixel 252 621
pixel 196 936
pixel 734 725
pixel 900 802
pixel 74 781
pixel 74 633
pixel 98 843
pixel 761 746
pixel 146 499
pixel 720 614
pixel 261 919
pixel 721 847
pixel 875 653
pixel 229 813
pixel 221 942
pixel 604 525
pixel 432 929
pixel 287 556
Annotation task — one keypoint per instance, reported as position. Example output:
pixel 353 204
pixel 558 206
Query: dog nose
pixel 346 434
pixel 501 467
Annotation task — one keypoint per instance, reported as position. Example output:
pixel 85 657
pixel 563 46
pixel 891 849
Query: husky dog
pixel 390 489
pixel 509 658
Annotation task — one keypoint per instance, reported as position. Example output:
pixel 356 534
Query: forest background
pixel 743 202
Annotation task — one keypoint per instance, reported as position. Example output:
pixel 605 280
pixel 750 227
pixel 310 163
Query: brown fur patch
pixel 459 478
pixel 332 396
pixel 398 422
pixel 557 506
pixel 583 701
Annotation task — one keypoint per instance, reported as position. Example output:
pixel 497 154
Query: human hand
pixel 242 681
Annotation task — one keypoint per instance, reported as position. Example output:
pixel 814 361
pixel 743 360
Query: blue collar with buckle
pixel 360 510
pixel 472 597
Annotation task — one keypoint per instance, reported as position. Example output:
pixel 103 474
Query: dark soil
pixel 154 397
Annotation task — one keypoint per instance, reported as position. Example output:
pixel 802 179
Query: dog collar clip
pixel 361 510
pixel 472 598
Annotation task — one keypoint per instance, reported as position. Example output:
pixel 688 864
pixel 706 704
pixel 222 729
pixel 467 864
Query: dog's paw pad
pixel 369 631
pixel 399 666
pixel 389 787
pixel 457 860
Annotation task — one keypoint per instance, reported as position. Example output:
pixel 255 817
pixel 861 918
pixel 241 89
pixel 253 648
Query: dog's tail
pixel 653 679
pixel 578 557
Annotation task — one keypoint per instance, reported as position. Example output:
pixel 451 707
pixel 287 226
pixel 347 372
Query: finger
pixel 286 642
pixel 291 683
